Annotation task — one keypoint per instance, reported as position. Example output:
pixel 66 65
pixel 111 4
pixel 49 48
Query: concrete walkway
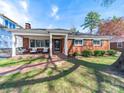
pixel 27 67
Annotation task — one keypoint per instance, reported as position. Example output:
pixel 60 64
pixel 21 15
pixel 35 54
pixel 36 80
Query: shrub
pixel 87 53
pixel 111 52
pixel 99 52
pixel 77 54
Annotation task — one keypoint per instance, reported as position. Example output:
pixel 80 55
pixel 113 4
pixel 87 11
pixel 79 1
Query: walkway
pixel 23 68
pixel 57 59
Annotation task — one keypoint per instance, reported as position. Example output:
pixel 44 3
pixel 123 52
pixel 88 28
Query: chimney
pixel 27 26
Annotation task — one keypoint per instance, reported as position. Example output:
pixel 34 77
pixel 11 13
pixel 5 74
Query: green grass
pixel 19 61
pixel 86 75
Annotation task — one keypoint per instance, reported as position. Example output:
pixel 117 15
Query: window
pixel 39 43
pixel 47 43
pixel 6 23
pixel 78 42
pixel 32 43
pixel 119 44
pixel 42 43
pixel 13 26
pixel 97 42
pixel 10 25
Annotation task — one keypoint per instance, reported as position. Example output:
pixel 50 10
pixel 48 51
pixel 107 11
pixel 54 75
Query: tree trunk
pixel 119 64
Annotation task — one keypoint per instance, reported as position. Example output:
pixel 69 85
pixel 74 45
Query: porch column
pixel 50 45
pixel 13 45
pixel 66 45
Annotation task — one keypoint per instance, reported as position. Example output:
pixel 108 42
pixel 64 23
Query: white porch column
pixel 13 45
pixel 66 45
pixel 50 45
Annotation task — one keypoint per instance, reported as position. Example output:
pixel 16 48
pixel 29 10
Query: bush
pixel 77 54
pixel 111 52
pixel 87 53
pixel 99 53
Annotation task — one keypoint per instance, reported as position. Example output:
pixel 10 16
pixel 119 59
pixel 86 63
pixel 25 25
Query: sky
pixel 57 13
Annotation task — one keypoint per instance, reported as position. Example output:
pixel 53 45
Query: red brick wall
pixel 25 42
pixel 71 48
pixel 87 45
pixel 113 45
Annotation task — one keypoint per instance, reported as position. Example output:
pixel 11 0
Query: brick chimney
pixel 27 26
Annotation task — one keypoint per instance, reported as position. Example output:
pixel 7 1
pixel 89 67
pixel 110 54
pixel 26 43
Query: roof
pixel 117 39
pixel 10 20
pixel 57 30
pixel 86 36
pixel 39 31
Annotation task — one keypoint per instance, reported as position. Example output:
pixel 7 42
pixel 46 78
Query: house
pixel 117 43
pixel 57 40
pixel 5 36
pixel 115 29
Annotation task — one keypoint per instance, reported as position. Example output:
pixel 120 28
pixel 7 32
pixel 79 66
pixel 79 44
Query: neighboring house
pixel 5 36
pixel 117 43
pixel 115 29
pixel 57 40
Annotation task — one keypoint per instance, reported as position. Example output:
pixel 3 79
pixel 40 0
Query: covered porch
pixel 53 42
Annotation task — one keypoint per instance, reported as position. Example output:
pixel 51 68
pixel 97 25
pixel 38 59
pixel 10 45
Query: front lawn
pixel 85 75
pixel 19 61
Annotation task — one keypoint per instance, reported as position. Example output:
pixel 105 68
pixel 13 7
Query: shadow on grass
pixel 76 64
pixel 20 62
pixel 100 77
pixel 23 82
pixel 91 65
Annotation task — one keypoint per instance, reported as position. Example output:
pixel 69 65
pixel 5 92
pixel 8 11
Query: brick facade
pixel 88 44
pixel 26 43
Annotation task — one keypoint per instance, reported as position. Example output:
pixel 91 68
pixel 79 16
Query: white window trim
pixel 119 46
pixel 97 44
pixel 35 44
pixel 79 44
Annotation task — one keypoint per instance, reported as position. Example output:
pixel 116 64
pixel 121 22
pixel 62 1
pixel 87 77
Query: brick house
pixel 117 43
pixel 57 40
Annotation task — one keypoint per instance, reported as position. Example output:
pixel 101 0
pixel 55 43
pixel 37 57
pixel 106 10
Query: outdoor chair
pixel 33 50
pixel 45 50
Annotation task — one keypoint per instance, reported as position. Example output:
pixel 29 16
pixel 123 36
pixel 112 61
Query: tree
pixel 119 64
pixel 91 21
pixel 114 26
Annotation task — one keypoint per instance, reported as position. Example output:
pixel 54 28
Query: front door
pixel 57 45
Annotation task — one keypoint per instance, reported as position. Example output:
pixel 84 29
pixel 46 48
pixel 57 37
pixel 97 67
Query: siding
pixel 5 39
